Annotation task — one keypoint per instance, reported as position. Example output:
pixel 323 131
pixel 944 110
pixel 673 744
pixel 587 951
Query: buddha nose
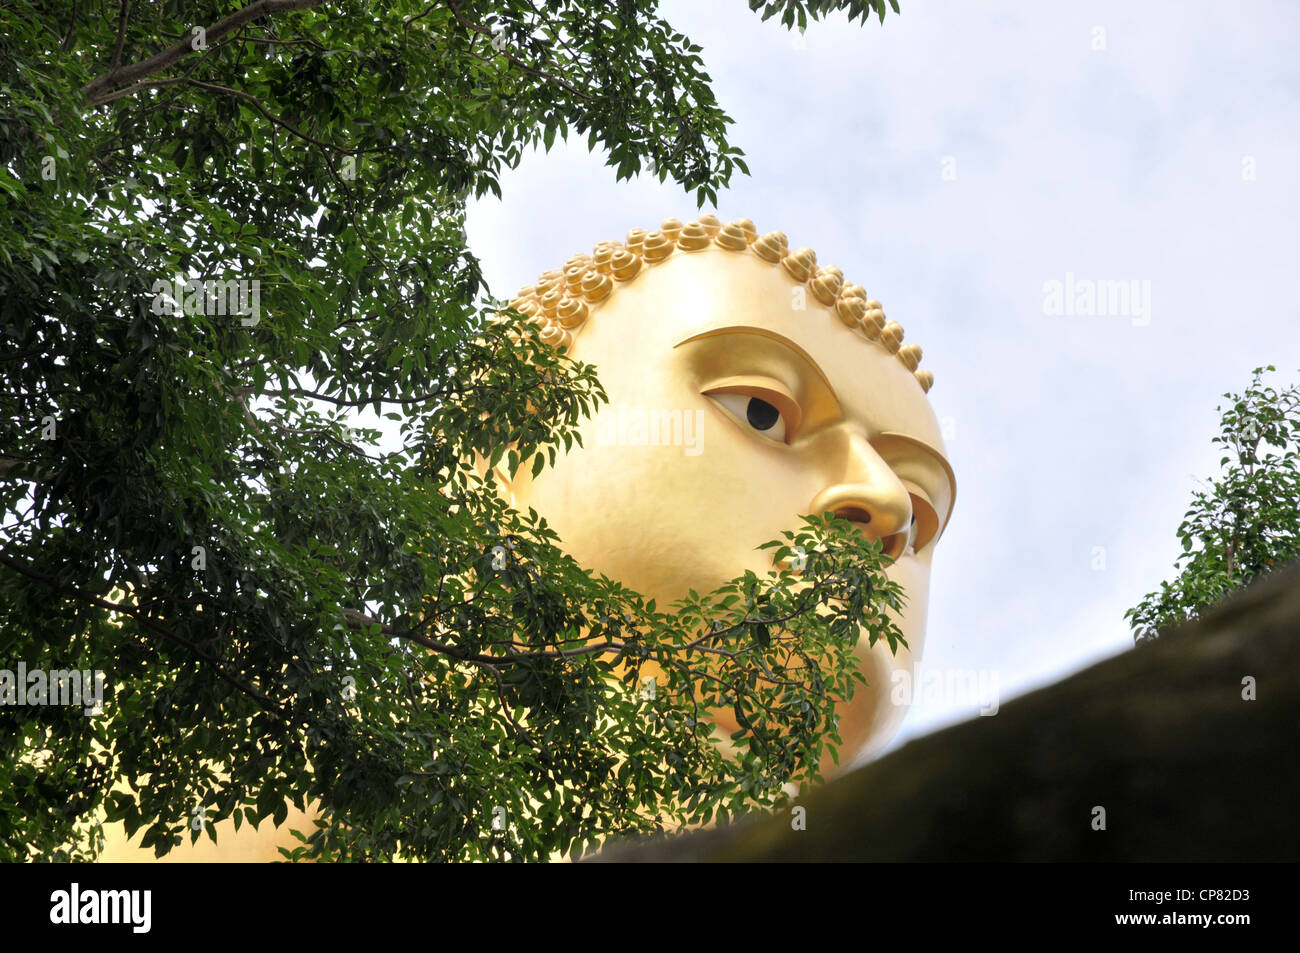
pixel 870 496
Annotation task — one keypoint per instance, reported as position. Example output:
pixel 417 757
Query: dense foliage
pixel 1245 521
pixel 283 610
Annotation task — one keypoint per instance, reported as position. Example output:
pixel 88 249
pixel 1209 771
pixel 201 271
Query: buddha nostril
pixel 857 514
pixel 893 544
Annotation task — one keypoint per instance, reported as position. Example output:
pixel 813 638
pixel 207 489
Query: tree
pixel 1247 521
pixel 228 229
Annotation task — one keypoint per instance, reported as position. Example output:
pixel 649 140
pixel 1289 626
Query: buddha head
pixel 747 386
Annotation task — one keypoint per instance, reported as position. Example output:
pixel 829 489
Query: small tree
pixel 1246 521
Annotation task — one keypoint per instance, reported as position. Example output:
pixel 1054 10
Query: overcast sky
pixel 955 161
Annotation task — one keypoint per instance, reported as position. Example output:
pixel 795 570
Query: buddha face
pixel 738 402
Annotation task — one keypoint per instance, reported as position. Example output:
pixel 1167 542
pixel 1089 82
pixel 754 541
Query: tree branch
pixel 257 104
pixel 117 76
pixel 121 35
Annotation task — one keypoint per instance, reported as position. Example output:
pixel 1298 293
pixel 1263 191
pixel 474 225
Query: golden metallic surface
pixel 771 247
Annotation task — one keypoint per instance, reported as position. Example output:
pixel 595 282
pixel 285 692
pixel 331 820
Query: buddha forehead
pixel 709 278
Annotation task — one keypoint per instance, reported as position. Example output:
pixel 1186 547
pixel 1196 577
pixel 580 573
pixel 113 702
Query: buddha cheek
pixel 677 518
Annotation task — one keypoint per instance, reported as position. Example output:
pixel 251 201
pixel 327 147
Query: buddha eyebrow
pixel 772 336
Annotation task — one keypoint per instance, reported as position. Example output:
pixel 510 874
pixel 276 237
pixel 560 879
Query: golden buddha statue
pixel 747 386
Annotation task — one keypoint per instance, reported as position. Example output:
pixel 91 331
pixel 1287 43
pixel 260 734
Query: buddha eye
pixel 759 415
